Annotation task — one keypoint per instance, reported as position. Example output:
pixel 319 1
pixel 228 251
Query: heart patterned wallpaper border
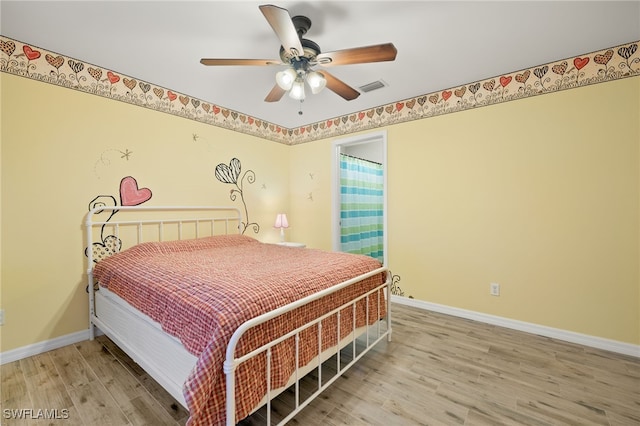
pixel 33 62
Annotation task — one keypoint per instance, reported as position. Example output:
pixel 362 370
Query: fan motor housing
pixel 310 51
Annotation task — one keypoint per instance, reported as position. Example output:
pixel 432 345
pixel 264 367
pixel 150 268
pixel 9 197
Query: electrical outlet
pixel 494 289
pixel 1 316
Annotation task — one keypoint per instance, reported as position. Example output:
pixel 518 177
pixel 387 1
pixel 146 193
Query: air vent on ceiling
pixel 375 85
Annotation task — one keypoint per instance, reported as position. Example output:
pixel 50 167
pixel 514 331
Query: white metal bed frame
pixel 227 216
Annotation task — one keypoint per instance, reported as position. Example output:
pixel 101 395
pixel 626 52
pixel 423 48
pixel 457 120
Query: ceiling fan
pixel 301 55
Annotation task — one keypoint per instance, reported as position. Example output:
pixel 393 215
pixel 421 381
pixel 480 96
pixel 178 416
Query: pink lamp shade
pixel 281 222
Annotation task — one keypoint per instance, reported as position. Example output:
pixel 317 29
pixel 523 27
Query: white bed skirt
pixel 158 353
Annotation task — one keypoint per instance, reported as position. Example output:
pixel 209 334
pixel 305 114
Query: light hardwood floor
pixel 438 370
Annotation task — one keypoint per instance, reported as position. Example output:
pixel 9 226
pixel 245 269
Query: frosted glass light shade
pixel 316 81
pixel 285 78
pixel 297 90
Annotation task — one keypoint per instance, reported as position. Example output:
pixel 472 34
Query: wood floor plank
pixel 14 386
pixel 338 417
pixel 145 410
pixel 438 409
pixel 618 418
pixel 166 401
pixel 558 411
pixel 47 390
pixel 361 412
pixel 597 360
pixel 473 396
pixel 72 368
pixel 94 403
pixel 134 400
pixel 488 414
pixel 15 394
pixel 438 370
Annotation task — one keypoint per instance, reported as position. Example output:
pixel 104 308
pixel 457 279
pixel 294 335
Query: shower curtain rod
pixel 363 159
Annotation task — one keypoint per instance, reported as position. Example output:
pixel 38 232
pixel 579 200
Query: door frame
pixel 369 138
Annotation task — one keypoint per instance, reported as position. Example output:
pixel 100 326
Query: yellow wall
pixel 62 148
pixel 310 189
pixel 540 195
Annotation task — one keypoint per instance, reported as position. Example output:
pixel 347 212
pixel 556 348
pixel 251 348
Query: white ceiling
pixel 441 44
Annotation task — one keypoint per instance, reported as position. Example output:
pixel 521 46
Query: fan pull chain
pixel 300 112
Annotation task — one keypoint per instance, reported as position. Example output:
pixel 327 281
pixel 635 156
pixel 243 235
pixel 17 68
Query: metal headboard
pixel 150 223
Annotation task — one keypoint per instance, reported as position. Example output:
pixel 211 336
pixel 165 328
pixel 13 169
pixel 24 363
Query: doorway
pixel 359 223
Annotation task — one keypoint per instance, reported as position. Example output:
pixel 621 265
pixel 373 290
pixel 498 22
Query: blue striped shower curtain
pixel 361 207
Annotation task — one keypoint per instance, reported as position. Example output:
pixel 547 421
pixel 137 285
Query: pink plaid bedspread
pixel 201 290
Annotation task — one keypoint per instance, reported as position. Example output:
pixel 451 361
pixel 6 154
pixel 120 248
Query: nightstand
pixel 291 244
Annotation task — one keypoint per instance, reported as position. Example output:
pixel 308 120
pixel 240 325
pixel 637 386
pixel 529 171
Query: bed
pixel 223 322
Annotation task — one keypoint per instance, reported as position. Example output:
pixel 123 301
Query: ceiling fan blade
pixel 275 94
pixel 359 55
pixel 339 87
pixel 260 62
pixel 280 21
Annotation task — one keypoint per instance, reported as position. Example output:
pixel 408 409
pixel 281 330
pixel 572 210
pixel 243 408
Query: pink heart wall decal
pixel 30 53
pixel 130 195
pixel 580 62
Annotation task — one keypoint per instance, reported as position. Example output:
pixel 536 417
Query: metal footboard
pixel 231 362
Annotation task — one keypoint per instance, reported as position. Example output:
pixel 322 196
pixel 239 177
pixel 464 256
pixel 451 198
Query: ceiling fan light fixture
pixel 286 78
pixel 297 90
pixel 316 81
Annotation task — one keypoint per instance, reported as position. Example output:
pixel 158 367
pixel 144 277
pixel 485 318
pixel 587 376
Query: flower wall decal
pixel 230 174
pixel 395 288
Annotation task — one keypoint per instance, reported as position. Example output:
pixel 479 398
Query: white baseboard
pixel 47 345
pixel 556 333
